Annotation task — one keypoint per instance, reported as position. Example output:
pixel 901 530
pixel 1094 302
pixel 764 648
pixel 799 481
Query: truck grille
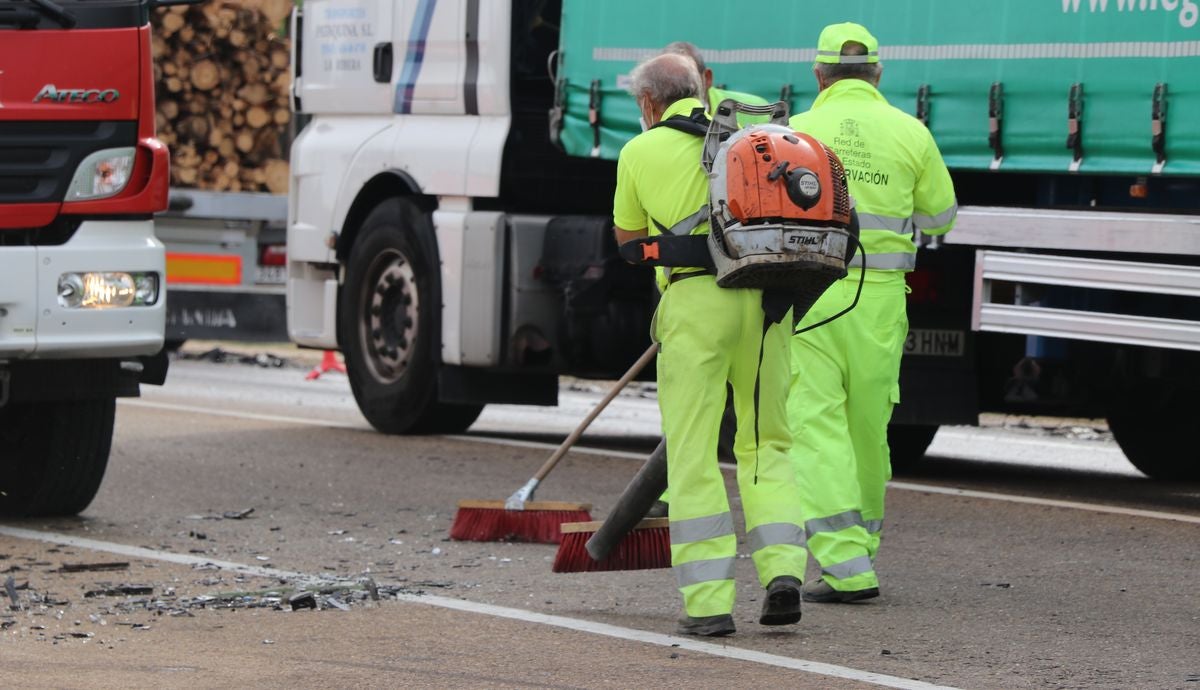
pixel 38 159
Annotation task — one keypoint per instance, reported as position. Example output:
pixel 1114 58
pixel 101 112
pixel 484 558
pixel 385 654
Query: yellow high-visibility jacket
pixel 893 166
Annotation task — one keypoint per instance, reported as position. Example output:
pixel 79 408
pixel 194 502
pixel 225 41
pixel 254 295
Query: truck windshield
pixel 55 11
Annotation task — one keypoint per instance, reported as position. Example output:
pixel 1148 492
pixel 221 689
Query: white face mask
pixel 642 116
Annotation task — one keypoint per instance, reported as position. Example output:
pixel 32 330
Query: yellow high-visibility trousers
pixel 710 335
pixel 845 382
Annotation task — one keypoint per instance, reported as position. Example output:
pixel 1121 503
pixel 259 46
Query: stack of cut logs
pixel 221 82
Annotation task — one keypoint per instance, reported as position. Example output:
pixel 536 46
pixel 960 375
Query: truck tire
pixel 389 324
pixel 54 455
pixel 908 443
pixel 1154 424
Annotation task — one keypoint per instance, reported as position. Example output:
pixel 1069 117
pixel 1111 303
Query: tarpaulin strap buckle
pixel 996 123
pixel 594 116
pixel 1158 126
pixel 1075 124
pixel 923 104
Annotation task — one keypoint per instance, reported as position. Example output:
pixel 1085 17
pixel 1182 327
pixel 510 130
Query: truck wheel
pixel 908 443
pixel 54 455
pixel 388 323
pixel 1152 424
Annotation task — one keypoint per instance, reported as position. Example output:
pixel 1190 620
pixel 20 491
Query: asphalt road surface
pixel 1014 558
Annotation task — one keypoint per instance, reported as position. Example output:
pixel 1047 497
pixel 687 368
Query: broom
pixel 647 546
pixel 520 518
pixel 626 539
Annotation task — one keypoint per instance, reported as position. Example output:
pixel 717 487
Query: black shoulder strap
pixel 696 123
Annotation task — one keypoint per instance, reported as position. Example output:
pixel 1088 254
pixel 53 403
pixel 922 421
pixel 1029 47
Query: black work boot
pixel 782 603
pixel 707 626
pixel 822 593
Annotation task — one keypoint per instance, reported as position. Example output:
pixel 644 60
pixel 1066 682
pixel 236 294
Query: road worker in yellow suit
pixel 845 375
pixel 712 96
pixel 709 336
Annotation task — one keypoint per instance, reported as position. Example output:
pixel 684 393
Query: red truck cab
pixel 81 273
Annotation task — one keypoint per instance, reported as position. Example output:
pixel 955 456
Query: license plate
pixel 935 343
pixel 272 274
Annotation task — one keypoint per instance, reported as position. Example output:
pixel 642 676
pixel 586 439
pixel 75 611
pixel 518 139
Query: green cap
pixel 834 36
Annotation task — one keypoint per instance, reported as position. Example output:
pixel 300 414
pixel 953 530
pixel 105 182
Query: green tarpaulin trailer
pixel 1115 66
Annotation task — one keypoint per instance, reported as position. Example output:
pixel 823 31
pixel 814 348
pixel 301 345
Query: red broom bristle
pixel 642 549
pixel 499 524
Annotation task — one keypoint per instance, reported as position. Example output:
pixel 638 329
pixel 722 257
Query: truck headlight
pixel 102 174
pixel 107 289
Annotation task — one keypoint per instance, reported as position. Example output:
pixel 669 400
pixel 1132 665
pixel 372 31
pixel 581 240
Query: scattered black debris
pixel 91 567
pixel 220 356
pixel 120 590
pixel 997 585
pixel 81 635
pixel 197 535
pixel 237 514
pixel 885 652
pixel 674 655
pixel 335 603
pixel 302 600
pixel 10 587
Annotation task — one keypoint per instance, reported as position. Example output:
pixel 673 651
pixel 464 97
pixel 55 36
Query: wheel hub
pixel 390 314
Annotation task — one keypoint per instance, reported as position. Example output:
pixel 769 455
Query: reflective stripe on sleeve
pixel 848 569
pixel 936 221
pixel 896 261
pixel 701 528
pixel 687 225
pixel 874 221
pixel 695 572
pixel 834 523
pixel 775 534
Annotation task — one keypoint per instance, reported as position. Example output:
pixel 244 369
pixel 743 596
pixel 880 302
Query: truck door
pixel 348 57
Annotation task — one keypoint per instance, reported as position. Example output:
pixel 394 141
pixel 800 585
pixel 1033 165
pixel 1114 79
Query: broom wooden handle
pixel 587 421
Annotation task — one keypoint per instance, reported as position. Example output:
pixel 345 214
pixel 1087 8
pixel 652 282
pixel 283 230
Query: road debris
pixel 108 590
pixel 91 567
pixel 10 587
pixel 302 600
pixel 237 514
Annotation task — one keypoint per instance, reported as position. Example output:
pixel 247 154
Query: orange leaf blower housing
pixel 776 175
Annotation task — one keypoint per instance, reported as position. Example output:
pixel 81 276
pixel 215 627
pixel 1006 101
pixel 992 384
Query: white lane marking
pixel 1048 502
pixel 522 615
pixel 902 486
pixel 281 419
pixel 538 445
pixel 687 643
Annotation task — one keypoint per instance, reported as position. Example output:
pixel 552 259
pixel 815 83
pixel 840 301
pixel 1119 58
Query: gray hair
pixel 665 79
pixel 866 71
pixel 688 50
